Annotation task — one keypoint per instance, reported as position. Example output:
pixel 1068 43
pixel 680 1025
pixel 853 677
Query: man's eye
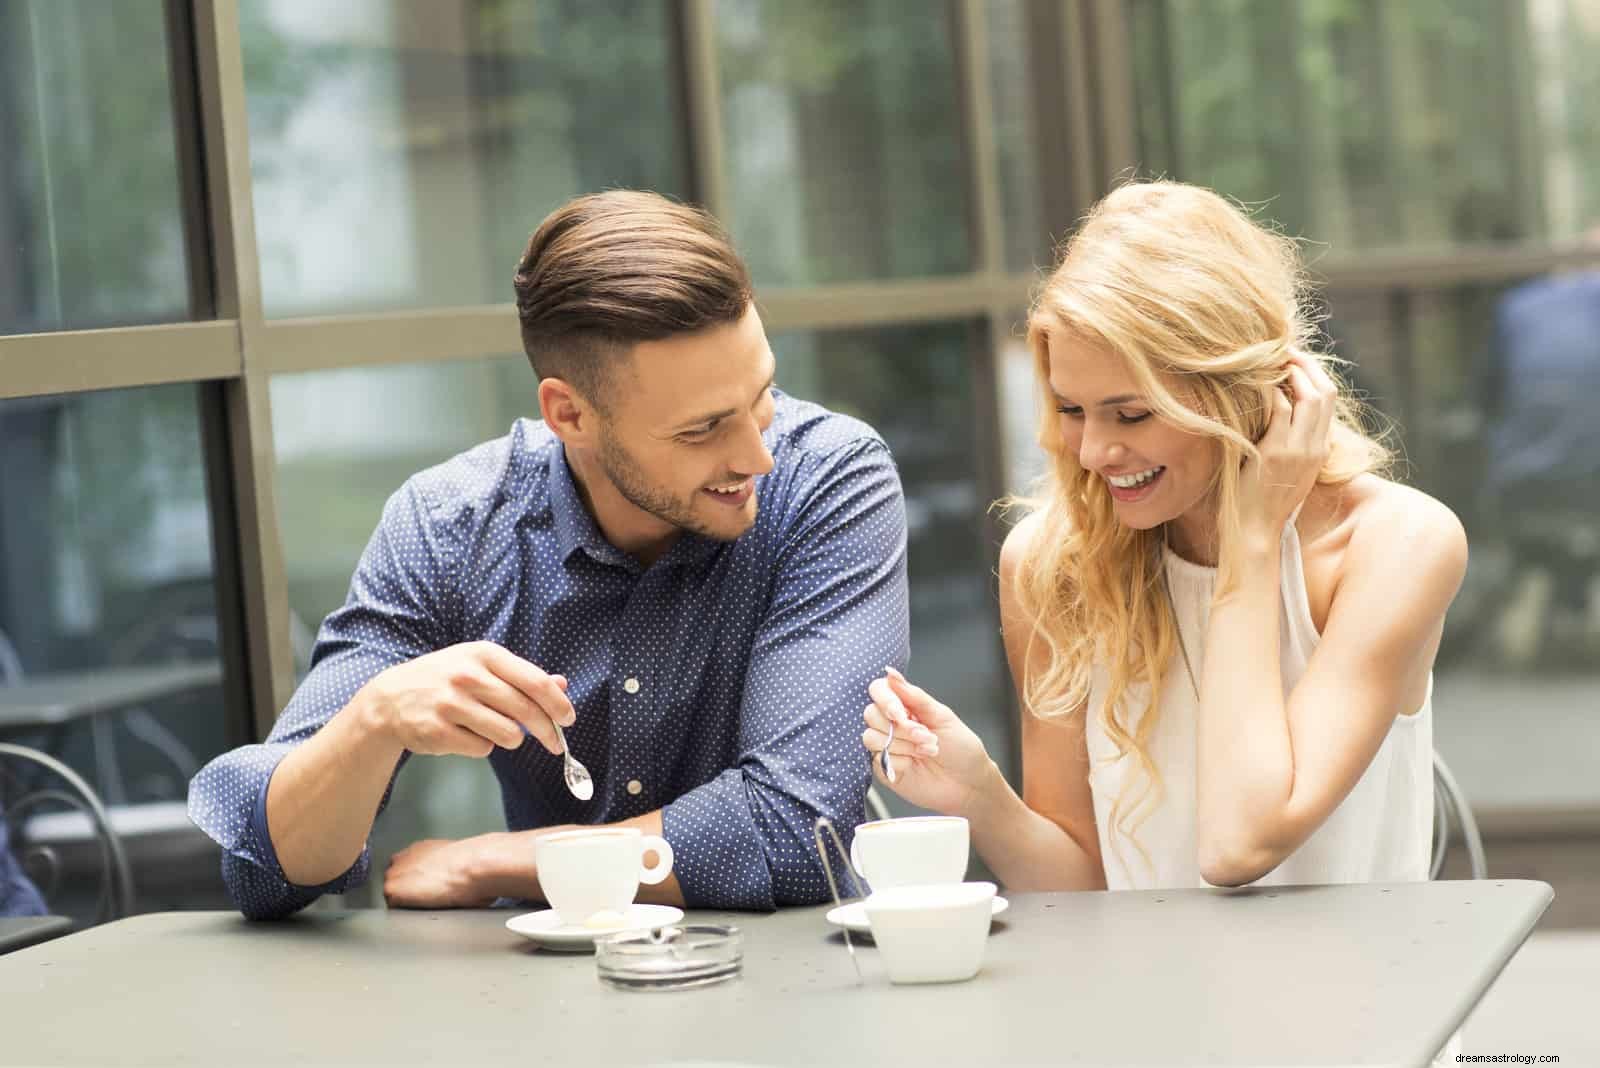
pixel 692 437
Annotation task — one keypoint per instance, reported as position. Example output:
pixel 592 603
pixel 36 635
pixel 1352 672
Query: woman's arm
pixel 1051 843
pixel 1272 769
pixel 1043 840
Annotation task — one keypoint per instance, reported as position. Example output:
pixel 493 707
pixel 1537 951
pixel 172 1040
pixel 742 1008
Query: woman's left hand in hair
pixel 1293 451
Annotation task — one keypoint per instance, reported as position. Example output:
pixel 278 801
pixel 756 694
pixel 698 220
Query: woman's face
pixel 1154 471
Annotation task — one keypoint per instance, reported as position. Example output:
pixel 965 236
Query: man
pixel 695 575
pixel 1542 477
pixel 18 895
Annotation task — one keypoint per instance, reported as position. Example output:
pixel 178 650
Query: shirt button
pixel 635 787
pixel 631 685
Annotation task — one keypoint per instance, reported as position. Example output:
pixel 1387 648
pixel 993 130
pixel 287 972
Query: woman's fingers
pixel 1279 420
pixel 910 718
pixel 912 746
pixel 1313 408
pixel 923 705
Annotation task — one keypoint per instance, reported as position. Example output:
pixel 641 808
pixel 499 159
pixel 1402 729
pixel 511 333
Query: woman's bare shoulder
pixel 1384 522
pixel 1019 542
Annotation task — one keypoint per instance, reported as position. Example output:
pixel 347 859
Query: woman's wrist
pixel 991 801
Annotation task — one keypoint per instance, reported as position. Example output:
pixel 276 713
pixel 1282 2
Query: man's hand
pixel 438 873
pixel 467 699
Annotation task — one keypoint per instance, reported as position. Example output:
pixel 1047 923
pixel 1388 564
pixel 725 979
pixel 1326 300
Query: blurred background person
pixel 1540 379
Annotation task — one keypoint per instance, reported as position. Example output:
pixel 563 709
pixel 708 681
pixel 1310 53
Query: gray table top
pixel 1349 975
pixel 19 931
pixel 47 700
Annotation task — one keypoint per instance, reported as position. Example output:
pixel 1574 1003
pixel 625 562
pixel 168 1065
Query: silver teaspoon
pixel 577 776
pixel 888 768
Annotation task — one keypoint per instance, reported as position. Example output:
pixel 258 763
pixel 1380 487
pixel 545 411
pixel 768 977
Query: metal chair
pixel 1449 802
pixel 876 809
pixel 41 860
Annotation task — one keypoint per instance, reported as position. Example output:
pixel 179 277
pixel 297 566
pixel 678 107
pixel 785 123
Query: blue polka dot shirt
pixel 723 685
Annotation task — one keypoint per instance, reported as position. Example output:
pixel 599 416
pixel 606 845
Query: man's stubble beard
pixel 621 469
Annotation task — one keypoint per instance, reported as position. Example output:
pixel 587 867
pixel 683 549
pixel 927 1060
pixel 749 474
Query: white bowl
pixel 933 933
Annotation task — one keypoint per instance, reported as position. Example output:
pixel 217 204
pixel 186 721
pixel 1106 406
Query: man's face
pixel 682 441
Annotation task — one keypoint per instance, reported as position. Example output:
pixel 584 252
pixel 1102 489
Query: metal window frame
pixel 1080 82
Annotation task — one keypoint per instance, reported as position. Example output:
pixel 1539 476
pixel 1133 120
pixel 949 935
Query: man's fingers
pixel 539 687
pixel 518 709
pixel 468 742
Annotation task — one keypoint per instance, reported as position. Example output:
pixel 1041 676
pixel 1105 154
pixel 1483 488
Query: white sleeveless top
pixel 1381 832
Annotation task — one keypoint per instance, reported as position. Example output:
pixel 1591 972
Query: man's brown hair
pixel 606 271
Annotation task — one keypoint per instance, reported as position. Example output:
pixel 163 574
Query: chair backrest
pixel 876 808
pixel 37 786
pixel 10 662
pixel 1450 803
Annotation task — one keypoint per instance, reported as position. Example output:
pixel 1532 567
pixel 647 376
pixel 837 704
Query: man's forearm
pixel 325 794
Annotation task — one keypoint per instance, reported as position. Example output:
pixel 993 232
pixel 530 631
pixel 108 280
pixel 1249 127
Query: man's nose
pixel 753 458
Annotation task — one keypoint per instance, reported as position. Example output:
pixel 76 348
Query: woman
pixel 1220 616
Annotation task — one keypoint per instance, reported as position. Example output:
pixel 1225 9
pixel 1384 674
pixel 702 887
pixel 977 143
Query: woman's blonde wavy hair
pixel 1205 306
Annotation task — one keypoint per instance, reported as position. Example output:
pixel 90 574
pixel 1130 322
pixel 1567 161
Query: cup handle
pixel 663 866
pixel 855 858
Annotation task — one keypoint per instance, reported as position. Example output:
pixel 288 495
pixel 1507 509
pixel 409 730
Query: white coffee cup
pixel 931 934
pixel 911 851
pixel 584 872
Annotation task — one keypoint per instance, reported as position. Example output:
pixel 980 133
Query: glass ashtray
pixel 671 958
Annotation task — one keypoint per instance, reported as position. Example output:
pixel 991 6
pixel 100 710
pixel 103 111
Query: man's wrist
pixel 370 722
pixel 502 865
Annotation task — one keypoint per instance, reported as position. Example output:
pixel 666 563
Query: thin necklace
pixel 1172 607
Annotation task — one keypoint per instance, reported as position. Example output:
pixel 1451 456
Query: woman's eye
pixel 1069 410
pixel 1126 417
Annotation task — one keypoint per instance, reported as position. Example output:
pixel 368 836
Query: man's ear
pixel 566 412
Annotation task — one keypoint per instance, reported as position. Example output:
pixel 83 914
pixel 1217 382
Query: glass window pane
pixel 339 457
pixel 1016 134
pixel 1495 386
pixel 1020 406
pixel 914 384
pixel 1375 124
pixel 109 651
pixel 90 219
pixel 843 130
pixel 402 150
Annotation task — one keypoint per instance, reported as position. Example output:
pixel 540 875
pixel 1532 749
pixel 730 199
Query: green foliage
pixel 1362 123
pixel 94 183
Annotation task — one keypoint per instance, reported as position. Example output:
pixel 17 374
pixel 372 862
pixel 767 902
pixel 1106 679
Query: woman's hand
pixel 939 763
pixel 1295 447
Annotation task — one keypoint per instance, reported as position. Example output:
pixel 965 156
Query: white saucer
pixel 546 929
pixel 853 916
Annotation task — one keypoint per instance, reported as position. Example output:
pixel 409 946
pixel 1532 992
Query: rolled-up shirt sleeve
pixel 398 608
pixel 838 615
